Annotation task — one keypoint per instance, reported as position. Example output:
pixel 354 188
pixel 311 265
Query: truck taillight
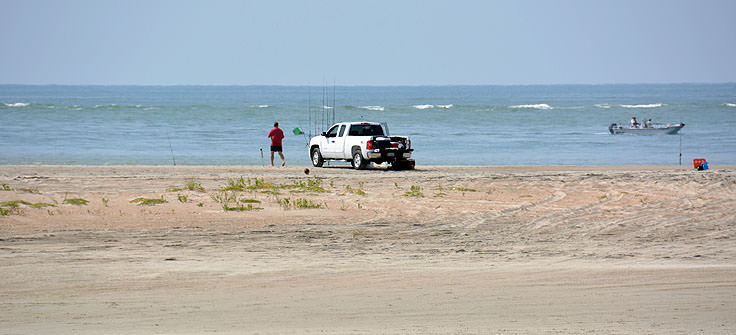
pixel 369 145
pixel 409 144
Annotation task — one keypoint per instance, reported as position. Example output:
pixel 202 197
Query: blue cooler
pixel 705 165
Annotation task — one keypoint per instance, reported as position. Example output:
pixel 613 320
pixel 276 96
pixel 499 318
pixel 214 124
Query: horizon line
pixel 376 85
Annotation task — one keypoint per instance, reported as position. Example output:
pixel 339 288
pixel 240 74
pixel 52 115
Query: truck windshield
pixel 365 130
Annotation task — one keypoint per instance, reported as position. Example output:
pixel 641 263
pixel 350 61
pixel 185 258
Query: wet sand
pixel 438 250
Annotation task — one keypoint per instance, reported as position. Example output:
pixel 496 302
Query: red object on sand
pixel 698 162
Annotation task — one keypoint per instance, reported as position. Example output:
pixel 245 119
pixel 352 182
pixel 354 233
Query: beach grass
pixel 75 201
pixel 358 191
pixel 241 208
pixel 191 185
pixel 241 184
pixel 298 203
pixel 149 201
pixel 414 191
pixel 8 207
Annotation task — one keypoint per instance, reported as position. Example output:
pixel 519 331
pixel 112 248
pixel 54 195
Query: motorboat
pixel 668 129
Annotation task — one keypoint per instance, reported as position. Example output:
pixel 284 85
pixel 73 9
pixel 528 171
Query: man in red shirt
pixel 276 135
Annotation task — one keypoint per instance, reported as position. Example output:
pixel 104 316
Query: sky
pixel 453 42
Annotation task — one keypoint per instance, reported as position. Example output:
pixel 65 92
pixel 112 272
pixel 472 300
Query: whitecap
pixel 327 107
pixel 17 104
pixel 423 106
pixel 534 106
pixel 642 106
pixel 729 105
pixel 263 106
pixel 444 106
pixel 373 108
pixel 603 106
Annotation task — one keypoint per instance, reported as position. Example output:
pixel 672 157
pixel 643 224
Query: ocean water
pixel 448 125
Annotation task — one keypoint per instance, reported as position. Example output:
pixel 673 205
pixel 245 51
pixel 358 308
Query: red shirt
pixel 276 135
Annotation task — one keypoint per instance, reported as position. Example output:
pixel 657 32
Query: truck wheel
pixel 358 162
pixel 317 160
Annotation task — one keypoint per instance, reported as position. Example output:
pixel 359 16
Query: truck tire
pixel 317 159
pixel 358 161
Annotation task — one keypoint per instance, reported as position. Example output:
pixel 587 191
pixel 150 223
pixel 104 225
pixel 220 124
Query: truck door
pixel 330 148
pixel 340 143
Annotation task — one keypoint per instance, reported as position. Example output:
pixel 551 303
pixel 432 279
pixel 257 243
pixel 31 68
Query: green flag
pixel 297 131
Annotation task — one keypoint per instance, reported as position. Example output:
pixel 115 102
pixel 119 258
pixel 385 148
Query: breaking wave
pixel 729 105
pixel 607 106
pixel 17 104
pixel 373 108
pixel 433 106
pixel 534 106
pixel 642 106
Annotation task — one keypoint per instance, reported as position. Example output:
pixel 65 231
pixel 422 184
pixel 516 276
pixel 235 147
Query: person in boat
pixel 633 122
pixel 648 123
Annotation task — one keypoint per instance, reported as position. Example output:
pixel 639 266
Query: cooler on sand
pixel 700 164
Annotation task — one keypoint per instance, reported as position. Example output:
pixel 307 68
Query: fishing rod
pixel 171 149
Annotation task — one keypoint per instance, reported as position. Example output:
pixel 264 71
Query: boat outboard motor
pixel 610 128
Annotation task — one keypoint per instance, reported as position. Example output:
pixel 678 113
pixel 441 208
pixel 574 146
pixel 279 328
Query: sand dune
pixel 438 250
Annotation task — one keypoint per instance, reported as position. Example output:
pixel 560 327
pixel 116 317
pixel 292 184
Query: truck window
pixel 365 130
pixel 332 132
pixel 342 131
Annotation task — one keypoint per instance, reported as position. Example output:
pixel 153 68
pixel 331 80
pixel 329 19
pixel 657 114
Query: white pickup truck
pixel 361 143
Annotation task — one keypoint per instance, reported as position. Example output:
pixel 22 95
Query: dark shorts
pixel 276 148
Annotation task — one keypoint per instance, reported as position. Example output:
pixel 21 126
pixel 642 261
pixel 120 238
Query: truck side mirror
pixel 324 134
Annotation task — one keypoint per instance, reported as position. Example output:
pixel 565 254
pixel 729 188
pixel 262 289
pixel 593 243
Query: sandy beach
pixel 437 250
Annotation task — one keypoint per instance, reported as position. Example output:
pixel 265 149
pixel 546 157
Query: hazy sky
pixel 366 42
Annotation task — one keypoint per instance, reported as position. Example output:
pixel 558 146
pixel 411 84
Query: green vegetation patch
pixel 414 191
pixel 42 205
pixel 76 201
pixel 15 203
pixel 299 203
pixel 191 185
pixel 6 187
pixel 250 201
pixel 259 184
pixel 271 192
pixel 241 208
pixel 8 207
pixel 149 201
pixel 312 185
pixel 357 191
pixel 243 184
